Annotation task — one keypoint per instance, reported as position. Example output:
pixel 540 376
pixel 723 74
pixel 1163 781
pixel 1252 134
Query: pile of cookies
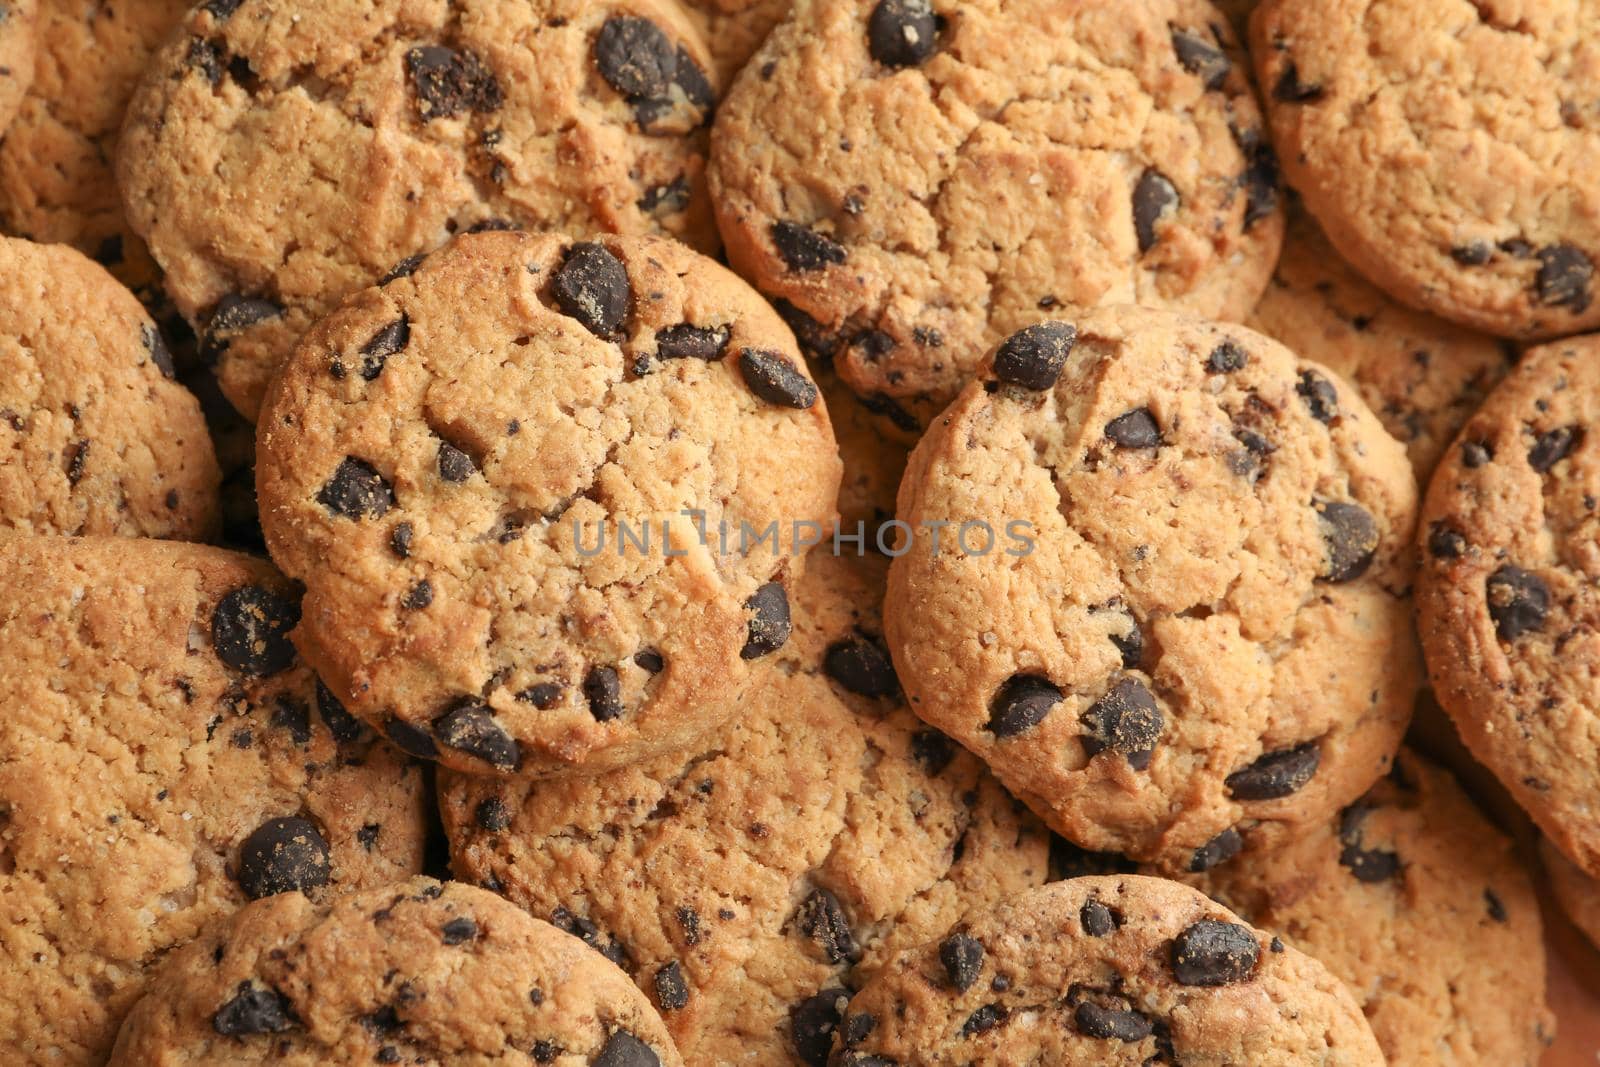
pixel 851 533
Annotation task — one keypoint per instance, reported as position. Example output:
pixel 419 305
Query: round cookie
pixel 99 438
pixel 1573 890
pixel 1421 906
pixel 1506 591
pixel 1450 149
pixel 17 45
pixel 1167 598
pixel 166 761
pixel 282 154
pixel 544 497
pixel 1100 971
pixel 56 184
pixel 913 183
pixel 734 29
pixel 749 884
pixel 421 972
pixel 1422 376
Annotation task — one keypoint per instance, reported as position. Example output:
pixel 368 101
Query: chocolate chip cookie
pixel 98 437
pixel 1450 149
pixel 750 884
pixel 1506 592
pixel 734 29
pixel 913 181
pixel 545 496
pixel 1106 970
pixel 165 760
pixel 1421 375
pixel 1157 581
pixel 421 972
pixel 17 43
pixel 282 154
pixel 56 184
pixel 1421 906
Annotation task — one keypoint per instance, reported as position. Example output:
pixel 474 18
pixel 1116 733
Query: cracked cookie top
pixel 283 154
pixel 1167 601
pixel 1102 971
pixel 1506 596
pixel 544 497
pixel 98 437
pixel 419 972
pixel 914 181
pixel 1450 148
pixel 167 759
pixel 752 883
pixel 17 18
pixel 1421 906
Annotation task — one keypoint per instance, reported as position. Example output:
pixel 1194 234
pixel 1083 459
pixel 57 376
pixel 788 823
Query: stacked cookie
pixel 455 619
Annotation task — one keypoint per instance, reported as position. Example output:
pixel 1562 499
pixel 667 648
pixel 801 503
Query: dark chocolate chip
pixel 156 345
pixel 635 57
pixel 1320 397
pixel 1277 774
pixel 221 9
pixel 357 491
pixel 889 408
pixel 1553 446
pixel 821 918
pixel 1472 254
pixel 400 540
pixel 590 935
pixel 1218 850
pixel 668 199
pixel 592 286
pixel 902 33
pixel 542 695
pixel 684 341
pixel 815 339
pixel 813 1022
pixel 862 1059
pixel 1153 198
pixel 1350 536
pixel 857 1028
pixel 672 992
pixel 773 378
pixel 1125 720
pixel 454 464
pixel 253 1010
pixel 492 815
pixel 1497 908
pixel 206 57
pixel 1021 704
pixel 603 690
pixel 344 726
pixel 1108 1024
pixel 983 1020
pixel 470 727
pixel 411 739
pixel 1291 90
pixel 1564 278
pixel 1068 860
pixel 1227 358
pixel 250 630
pixel 418 596
pixel 1260 180
pixel 459 931
pixel 1214 953
pixel 388 341
pixel 622 1049
pixel 1366 865
pixel 1130 644
pixel 293 716
pixel 448 82
pixel 403 269
pixel 1445 541
pixel 1134 429
pixel 233 313
pixel 769 625
pixel 1097 919
pixel 649 660
pixel 861 665
pixel 1518 601
pixel 932 750
pixel 77 456
pixel 1034 356
pixel 805 249
pixel 281 856
pixel 962 957
pixel 1201 57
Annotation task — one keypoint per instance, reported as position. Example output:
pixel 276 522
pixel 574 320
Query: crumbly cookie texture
pixel 1421 907
pixel 17 47
pixel 99 438
pixel 282 154
pixel 1574 890
pixel 1422 376
pixel 167 760
pixel 1022 157
pixel 1506 588
pixel 56 184
pixel 420 972
pixel 1100 971
pixel 750 884
pixel 1450 148
pixel 1168 599
pixel 545 496
pixel 734 29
